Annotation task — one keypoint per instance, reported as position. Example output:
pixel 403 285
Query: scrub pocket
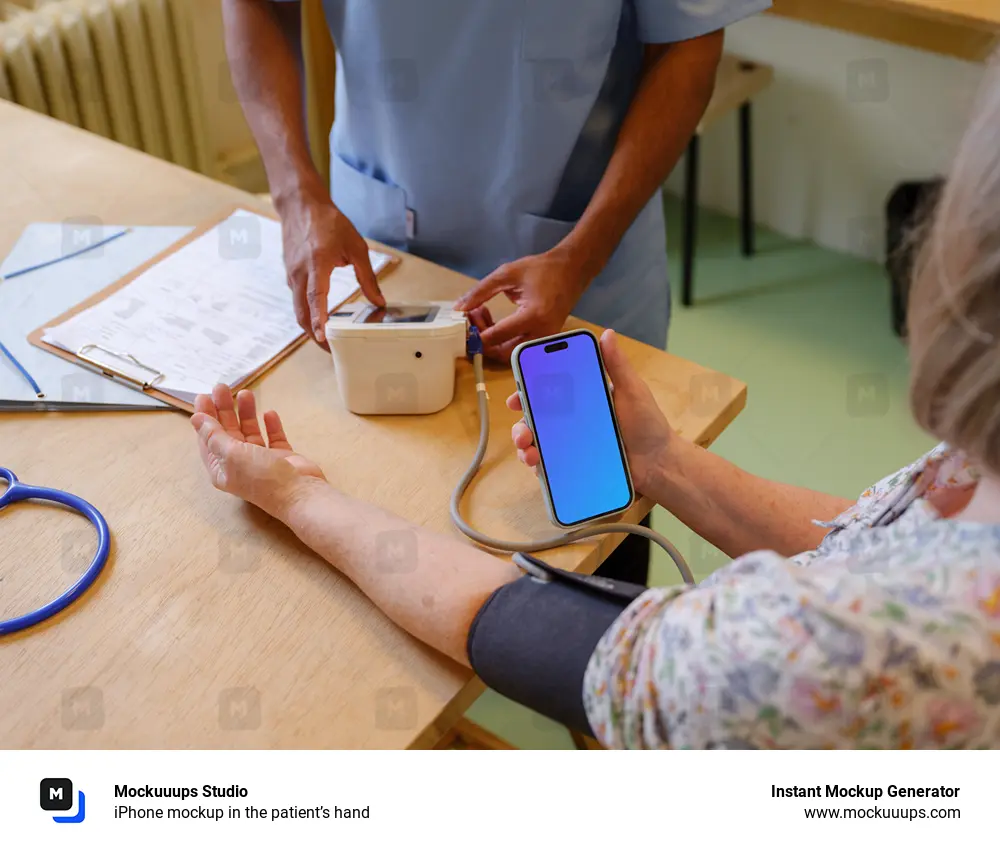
pixel 537 234
pixel 569 29
pixel 376 208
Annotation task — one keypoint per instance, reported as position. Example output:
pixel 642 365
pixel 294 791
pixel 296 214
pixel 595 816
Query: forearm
pixel 673 93
pixel 736 511
pixel 430 585
pixel 265 59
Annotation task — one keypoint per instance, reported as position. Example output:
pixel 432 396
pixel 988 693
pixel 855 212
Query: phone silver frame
pixel 515 361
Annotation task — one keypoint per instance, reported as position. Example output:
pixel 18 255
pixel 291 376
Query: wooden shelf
pixel 965 29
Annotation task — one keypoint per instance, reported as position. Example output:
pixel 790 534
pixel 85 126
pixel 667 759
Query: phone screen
pixel 575 431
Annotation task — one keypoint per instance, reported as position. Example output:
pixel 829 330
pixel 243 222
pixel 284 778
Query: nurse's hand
pixel 647 435
pixel 545 288
pixel 317 239
pixel 261 468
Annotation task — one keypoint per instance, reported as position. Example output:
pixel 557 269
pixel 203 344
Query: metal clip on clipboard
pixel 110 371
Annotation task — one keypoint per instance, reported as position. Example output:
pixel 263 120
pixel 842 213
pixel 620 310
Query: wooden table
pixel 967 29
pixel 207 604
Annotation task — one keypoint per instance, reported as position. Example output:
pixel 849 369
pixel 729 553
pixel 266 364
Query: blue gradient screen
pixel 574 429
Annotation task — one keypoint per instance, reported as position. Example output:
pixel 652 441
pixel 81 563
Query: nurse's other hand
pixel 318 238
pixel 544 288
pixel 261 468
pixel 645 430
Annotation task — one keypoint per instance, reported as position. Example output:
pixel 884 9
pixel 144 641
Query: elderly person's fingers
pixel 246 406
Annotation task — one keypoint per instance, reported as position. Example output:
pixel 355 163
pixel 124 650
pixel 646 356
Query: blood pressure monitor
pixel 397 359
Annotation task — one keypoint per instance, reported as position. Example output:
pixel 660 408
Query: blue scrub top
pixel 474 132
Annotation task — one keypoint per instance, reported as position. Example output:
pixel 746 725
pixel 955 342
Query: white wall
pixel 846 119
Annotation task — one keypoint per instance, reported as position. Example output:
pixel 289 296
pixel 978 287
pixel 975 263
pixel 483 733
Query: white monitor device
pixel 397 359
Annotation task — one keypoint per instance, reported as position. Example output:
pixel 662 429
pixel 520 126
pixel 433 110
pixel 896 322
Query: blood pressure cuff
pixel 533 639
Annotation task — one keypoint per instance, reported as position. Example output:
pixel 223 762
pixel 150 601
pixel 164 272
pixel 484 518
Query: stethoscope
pixel 18 492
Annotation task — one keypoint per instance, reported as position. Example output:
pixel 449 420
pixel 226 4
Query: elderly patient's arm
pixel 737 511
pixel 429 584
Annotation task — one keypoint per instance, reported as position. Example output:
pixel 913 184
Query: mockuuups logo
pixel 56 795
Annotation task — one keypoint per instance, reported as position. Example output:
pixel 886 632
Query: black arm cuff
pixel 533 639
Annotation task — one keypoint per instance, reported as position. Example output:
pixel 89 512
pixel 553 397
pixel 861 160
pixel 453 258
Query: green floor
pixel 808 330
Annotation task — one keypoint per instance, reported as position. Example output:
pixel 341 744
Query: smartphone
pixel 567 404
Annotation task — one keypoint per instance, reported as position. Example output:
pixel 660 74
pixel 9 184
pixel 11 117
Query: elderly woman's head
pixel 954 321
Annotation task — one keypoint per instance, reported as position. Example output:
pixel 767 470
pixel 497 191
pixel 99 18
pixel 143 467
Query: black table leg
pixel 746 181
pixel 690 219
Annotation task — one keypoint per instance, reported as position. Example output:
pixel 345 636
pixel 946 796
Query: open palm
pixel 257 466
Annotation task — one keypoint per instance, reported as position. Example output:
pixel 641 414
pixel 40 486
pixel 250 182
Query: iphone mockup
pixel 568 406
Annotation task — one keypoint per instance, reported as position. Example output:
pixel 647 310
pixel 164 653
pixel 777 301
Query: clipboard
pixel 122 367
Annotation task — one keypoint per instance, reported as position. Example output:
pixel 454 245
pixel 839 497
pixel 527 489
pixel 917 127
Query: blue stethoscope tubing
pixel 18 492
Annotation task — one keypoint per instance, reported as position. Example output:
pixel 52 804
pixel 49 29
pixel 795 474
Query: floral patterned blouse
pixel 887 635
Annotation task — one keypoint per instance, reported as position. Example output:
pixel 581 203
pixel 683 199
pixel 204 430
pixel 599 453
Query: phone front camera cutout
pixel 556 346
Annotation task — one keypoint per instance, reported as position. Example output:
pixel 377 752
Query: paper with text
pixel 213 312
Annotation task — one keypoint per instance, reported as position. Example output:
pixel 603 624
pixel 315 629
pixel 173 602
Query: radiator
pixel 121 68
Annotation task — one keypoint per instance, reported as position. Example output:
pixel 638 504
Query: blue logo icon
pixel 56 795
